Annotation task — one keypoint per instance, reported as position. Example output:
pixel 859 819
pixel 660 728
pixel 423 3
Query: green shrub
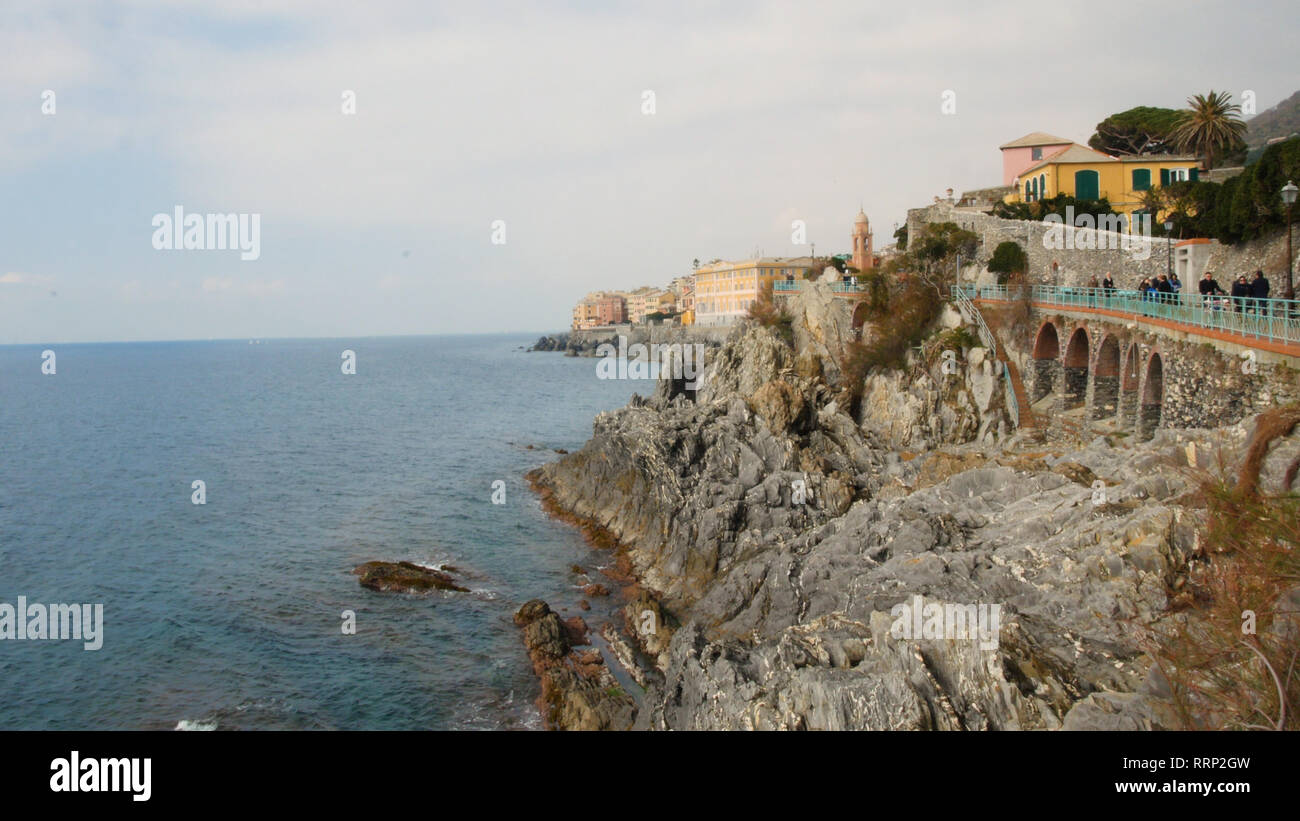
pixel 1008 258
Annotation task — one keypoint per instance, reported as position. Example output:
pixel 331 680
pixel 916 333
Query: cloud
pixel 468 112
pixel 243 288
pixel 18 278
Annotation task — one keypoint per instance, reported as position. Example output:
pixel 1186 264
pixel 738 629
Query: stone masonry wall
pixel 1075 266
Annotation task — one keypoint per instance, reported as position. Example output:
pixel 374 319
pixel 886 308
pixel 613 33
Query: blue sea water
pixel 230 613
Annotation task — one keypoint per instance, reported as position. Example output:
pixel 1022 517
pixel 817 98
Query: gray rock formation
pixel 781 546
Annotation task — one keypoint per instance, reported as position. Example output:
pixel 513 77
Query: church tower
pixel 863 251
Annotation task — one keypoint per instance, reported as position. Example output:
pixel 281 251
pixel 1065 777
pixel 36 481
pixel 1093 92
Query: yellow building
pixel 585 314
pixel 1081 172
pixel 725 290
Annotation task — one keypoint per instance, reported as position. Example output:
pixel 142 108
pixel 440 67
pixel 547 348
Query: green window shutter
pixel 1141 179
pixel 1164 177
pixel 1194 174
pixel 1087 185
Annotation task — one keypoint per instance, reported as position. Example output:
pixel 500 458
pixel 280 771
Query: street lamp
pixel 1288 197
pixel 1169 244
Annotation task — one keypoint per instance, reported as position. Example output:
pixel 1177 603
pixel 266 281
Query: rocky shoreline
pixel 772 537
pixel 588 342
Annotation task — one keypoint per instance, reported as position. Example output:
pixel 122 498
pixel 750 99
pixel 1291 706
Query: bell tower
pixel 863 250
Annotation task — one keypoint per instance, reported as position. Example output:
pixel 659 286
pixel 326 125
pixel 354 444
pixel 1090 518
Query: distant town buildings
pixel 717 293
pixel 611 309
pixel 725 290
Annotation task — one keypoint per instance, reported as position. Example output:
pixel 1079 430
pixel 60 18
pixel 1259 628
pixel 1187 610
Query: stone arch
pixel 1106 379
pixel 1075 367
pixel 1153 395
pixel 1130 379
pixel 860 312
pixel 1047 361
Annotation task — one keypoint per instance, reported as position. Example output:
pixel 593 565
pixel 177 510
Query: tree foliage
pixel 1210 127
pixel 1052 205
pixel 939 242
pixel 1245 207
pixel 1008 258
pixel 1141 130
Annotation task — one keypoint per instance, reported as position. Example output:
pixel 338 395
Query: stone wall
pixel 1075 265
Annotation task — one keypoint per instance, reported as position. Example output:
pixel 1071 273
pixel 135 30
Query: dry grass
pixel 1225 672
pixel 898 322
pixel 766 312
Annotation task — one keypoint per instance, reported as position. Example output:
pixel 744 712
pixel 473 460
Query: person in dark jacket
pixel 1164 291
pixel 1108 288
pixel 1240 293
pixel 1209 288
pixel 1259 290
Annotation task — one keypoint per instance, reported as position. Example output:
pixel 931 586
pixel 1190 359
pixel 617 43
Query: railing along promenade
pixel 1273 321
pixel 790 285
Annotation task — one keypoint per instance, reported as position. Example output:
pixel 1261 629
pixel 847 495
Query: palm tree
pixel 1210 125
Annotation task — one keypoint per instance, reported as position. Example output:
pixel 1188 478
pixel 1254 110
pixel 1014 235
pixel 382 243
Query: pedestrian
pixel 1177 285
pixel 1164 291
pixel 1259 290
pixel 1108 288
pixel 1240 293
pixel 1093 285
pixel 1209 288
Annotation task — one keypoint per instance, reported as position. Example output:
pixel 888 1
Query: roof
pixel 1158 158
pixel 1036 138
pixel 1074 154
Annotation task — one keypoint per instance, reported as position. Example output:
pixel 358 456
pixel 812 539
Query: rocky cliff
pixel 780 545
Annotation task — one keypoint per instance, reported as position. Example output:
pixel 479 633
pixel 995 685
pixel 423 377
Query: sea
pixel 234 614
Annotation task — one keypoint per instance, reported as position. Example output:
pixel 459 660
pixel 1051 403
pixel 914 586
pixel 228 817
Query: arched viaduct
pixel 1111 371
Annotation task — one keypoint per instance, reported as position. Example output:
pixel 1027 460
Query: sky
pixel 503 159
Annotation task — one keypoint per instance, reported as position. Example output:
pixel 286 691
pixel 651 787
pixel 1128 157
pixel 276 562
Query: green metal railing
pixel 1274 320
pixel 788 285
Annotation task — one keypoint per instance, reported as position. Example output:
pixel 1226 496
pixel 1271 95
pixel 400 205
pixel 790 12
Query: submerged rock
pixel 404 577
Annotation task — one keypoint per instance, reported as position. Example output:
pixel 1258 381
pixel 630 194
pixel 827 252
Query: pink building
pixel 1020 154
pixel 611 309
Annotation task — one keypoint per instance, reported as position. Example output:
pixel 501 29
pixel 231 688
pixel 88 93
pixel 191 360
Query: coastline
pixel 766 612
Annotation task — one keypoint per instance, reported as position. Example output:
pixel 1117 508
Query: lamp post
pixel 1288 197
pixel 1169 245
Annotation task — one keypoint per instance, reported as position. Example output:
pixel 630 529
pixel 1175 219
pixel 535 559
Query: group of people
pixel 1164 288
pixel 1247 296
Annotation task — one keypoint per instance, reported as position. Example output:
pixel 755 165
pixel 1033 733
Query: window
pixel 1087 185
pixel 1036 153
pixel 1141 179
pixel 1029 191
pixel 1042 186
